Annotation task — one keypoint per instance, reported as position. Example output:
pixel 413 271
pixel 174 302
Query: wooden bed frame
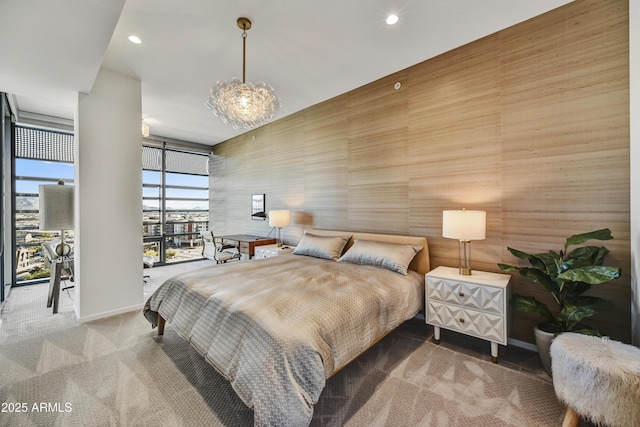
pixel 420 262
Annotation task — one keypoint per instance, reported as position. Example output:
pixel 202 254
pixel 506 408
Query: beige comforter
pixel 276 328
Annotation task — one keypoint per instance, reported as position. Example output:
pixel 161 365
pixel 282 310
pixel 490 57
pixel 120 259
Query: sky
pixel 57 170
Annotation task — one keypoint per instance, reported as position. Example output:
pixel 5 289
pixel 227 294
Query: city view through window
pixel 175 209
pixel 31 262
pixel 173 215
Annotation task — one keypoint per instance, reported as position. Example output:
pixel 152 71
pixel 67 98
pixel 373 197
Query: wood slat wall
pixel 530 124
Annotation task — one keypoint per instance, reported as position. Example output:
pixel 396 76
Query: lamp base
pixel 63 249
pixel 464 271
pixel 465 258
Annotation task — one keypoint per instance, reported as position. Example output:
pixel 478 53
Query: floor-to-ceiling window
pixel 175 202
pixel 5 144
pixel 41 157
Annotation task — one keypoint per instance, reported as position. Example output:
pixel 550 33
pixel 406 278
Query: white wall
pixel 634 92
pixel 108 207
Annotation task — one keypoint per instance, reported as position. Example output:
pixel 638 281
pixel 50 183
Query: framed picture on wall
pixel 258 207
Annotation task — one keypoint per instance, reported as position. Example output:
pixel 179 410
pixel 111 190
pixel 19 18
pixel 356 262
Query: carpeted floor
pixel 117 372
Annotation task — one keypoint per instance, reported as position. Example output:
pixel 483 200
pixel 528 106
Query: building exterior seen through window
pixel 175 203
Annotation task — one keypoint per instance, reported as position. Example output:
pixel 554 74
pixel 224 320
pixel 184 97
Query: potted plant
pixel 567 275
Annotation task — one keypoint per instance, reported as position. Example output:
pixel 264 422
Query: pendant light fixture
pixel 240 104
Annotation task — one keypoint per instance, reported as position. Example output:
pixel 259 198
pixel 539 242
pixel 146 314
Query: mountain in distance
pixel 31 203
pixel 169 208
pixel 27 203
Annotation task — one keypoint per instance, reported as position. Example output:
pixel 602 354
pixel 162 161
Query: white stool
pixel 597 378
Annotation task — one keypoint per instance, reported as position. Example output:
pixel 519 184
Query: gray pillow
pixel 327 247
pixel 392 256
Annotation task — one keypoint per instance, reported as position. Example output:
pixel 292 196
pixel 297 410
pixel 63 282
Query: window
pixel 175 203
pixel 41 157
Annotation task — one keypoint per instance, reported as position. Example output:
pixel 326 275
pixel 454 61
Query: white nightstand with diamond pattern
pixel 267 251
pixel 475 305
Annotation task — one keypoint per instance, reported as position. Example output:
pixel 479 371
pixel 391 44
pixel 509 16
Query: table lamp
pixel 56 211
pixel 465 226
pixel 279 219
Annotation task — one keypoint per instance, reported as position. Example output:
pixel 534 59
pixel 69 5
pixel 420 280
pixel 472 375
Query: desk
pixel 54 280
pixel 247 242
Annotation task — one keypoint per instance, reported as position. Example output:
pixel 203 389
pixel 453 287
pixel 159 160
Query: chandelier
pixel 240 104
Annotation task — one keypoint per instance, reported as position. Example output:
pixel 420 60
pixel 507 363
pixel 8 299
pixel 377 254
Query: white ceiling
pixel 309 51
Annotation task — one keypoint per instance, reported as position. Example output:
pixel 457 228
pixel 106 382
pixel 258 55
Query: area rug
pixel 117 372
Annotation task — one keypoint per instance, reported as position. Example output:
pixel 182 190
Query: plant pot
pixel 543 341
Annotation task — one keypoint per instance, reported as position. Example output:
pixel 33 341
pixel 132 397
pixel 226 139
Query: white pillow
pixel 392 256
pixel 326 247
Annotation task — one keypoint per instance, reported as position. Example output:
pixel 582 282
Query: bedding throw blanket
pixel 276 328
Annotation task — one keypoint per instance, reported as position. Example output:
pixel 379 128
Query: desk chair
pixel 213 248
pixel 147 262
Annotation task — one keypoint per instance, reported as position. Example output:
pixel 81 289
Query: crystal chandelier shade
pixel 243 105
pixel 240 104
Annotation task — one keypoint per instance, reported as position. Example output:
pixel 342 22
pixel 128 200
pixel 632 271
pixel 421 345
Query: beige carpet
pixel 116 372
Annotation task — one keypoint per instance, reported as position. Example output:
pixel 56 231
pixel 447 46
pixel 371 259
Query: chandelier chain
pixel 244 55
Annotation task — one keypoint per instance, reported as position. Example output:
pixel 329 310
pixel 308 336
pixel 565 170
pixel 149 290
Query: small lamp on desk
pixel 56 212
pixel 465 226
pixel 279 219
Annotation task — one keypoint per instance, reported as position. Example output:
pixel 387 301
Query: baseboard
pixel 522 344
pixel 104 315
pixel 510 341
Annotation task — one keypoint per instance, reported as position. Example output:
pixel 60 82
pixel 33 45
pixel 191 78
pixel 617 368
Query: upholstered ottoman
pixel 597 378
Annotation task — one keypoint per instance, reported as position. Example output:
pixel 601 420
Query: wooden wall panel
pixel 530 124
pixel 326 156
pixel 565 130
pixel 455 145
pixel 378 183
pixel 287 162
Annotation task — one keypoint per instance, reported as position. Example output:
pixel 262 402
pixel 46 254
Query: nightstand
pixel 474 305
pixel 267 251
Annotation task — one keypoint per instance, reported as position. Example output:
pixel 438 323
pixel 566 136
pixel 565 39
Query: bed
pixel 278 328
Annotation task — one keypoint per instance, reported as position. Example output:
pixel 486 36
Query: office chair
pixel 213 248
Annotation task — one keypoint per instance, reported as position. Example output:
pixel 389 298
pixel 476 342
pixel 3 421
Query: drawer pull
pixel 461 294
pixel 461 320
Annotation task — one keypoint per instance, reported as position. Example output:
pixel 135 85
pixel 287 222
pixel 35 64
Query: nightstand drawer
pixel 471 322
pixel 244 247
pixel 268 251
pixel 481 297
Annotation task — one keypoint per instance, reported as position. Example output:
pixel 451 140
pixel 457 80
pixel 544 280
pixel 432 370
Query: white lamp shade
pixel 56 207
pixel 280 218
pixel 464 224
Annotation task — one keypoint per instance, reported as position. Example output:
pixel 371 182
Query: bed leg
pixel 160 325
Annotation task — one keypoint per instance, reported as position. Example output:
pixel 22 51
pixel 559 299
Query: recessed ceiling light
pixel 392 19
pixel 136 39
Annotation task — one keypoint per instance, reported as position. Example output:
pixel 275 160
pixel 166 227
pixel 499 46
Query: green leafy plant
pixel 567 276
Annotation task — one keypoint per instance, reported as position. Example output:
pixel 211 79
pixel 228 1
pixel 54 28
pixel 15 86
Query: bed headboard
pixel 420 262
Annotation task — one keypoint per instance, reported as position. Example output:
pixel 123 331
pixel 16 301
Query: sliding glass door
pixel 175 203
pixel 42 157
pixel 5 141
